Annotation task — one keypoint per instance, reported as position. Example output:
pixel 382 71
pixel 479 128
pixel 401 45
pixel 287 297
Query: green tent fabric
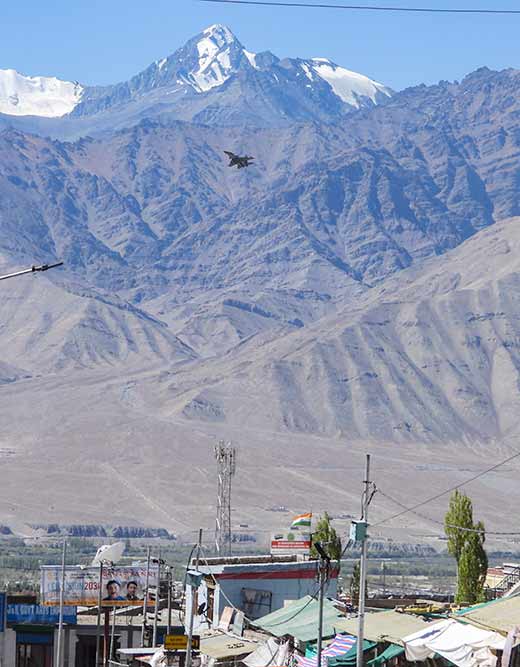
pixel 349 659
pixel 299 619
pixel 391 652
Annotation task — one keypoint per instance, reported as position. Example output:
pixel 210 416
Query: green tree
pixel 458 518
pixel 328 537
pixel 473 566
pixel 466 544
pixel 355 582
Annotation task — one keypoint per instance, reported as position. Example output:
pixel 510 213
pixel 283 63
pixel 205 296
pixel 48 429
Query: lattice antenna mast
pixel 226 455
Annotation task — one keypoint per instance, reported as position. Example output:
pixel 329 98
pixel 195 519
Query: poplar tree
pixel 458 517
pixel 466 544
pixel 473 566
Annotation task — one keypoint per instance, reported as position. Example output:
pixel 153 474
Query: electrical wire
pixel 448 525
pixel 373 8
pixel 443 493
pixel 183 598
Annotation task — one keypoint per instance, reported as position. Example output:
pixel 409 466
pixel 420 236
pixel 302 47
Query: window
pixel 256 603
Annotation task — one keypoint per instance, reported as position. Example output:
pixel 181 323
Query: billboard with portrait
pixel 121 586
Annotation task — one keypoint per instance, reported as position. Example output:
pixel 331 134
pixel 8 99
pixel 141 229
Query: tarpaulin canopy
pixel 349 659
pixel 226 646
pixel 268 654
pixel 460 643
pixel 500 615
pixel 340 645
pixel 299 619
pixel 389 653
pixel 385 626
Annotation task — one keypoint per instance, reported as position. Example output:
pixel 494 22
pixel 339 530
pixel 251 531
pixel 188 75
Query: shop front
pixel 34 646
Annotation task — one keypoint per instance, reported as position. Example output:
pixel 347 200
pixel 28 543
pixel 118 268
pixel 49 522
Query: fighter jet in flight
pixel 238 161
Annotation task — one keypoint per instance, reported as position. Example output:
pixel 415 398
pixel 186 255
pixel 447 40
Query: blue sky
pixel 105 41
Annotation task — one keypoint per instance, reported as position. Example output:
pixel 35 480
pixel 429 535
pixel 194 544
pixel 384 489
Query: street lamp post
pixel 33 269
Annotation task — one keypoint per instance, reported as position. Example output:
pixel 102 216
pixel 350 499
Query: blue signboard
pixel 2 612
pixel 37 614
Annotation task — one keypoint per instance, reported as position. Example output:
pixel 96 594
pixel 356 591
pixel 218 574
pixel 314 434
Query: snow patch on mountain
pixel 214 66
pixel 251 57
pixel 347 85
pixel 37 95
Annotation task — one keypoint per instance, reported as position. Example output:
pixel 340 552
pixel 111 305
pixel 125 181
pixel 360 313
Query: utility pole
pixel 145 596
pixel 157 595
pixel 225 455
pixel 363 569
pixel 33 269
pixel 169 581
pixel 59 652
pixel 112 635
pixel 98 625
pixel 323 572
pixel 192 604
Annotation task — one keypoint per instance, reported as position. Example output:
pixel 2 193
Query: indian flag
pixel 302 521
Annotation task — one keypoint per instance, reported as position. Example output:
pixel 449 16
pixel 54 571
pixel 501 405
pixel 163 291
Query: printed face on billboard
pixel 120 586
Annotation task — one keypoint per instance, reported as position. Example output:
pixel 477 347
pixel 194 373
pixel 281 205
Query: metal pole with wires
pixel 363 524
pixel 98 624
pixel 157 594
pixel 192 605
pixel 59 653
pixel 112 636
pixel 169 581
pixel 145 596
pixel 323 566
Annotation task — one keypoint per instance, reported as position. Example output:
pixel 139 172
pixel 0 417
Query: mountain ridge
pixel 209 62
pixel 355 287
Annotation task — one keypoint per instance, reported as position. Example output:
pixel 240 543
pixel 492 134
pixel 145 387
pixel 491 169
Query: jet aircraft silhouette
pixel 238 161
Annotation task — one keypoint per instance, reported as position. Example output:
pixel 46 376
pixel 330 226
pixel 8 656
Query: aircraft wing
pixel 229 154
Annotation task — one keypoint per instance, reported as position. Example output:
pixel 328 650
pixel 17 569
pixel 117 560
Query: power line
pixel 373 8
pixel 443 493
pixel 448 525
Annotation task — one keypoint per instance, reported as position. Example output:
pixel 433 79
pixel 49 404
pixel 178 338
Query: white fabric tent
pixel 461 643
pixel 269 654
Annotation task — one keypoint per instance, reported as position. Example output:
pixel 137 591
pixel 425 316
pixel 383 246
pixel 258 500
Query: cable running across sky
pixel 372 8
pixel 448 525
pixel 453 488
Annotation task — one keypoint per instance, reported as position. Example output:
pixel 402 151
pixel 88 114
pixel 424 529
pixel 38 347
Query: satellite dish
pixel 110 553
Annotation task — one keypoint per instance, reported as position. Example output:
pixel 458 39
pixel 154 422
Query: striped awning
pixel 340 645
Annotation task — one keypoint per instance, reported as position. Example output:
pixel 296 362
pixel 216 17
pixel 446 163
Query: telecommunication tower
pixel 226 455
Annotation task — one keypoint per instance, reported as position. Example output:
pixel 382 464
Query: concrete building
pixel 29 644
pixel 254 585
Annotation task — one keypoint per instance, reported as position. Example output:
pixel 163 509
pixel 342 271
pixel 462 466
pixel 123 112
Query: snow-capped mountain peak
pixel 217 52
pixel 220 34
pixel 37 95
pixel 349 86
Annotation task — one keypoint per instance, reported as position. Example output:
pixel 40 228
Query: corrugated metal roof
pixel 389 626
pixel 300 620
pixel 224 646
pixel 500 615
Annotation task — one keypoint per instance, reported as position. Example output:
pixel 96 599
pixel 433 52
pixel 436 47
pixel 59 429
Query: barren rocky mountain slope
pixel 422 371
pixel 357 287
